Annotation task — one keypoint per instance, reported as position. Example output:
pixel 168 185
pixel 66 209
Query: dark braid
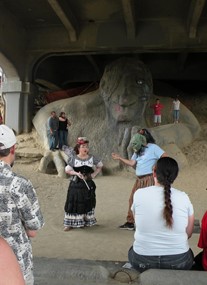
pixel 166 172
pixel 168 209
pixel 148 136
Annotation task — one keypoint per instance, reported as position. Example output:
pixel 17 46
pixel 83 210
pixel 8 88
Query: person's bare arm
pixel 96 172
pixel 190 226
pixel 128 162
pixel 164 154
pixel 69 170
pixel 10 271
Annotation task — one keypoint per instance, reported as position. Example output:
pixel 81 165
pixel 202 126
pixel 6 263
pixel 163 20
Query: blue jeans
pixel 176 114
pixel 53 139
pixel 183 261
pixel 63 138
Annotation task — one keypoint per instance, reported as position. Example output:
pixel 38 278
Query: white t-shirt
pixel 152 236
pixel 147 160
pixel 176 105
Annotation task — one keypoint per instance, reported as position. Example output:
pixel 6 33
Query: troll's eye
pixel 139 81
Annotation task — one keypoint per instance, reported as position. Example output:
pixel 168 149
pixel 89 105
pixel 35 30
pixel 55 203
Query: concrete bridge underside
pixel 56 44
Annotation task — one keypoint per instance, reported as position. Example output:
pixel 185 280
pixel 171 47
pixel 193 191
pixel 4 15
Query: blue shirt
pixel 146 161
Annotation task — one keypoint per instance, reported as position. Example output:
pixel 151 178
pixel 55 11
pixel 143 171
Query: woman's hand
pixel 128 162
pixel 115 156
pixel 93 175
pixel 80 175
pixel 70 171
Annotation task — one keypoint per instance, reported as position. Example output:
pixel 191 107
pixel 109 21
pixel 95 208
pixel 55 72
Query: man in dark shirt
pixel 53 124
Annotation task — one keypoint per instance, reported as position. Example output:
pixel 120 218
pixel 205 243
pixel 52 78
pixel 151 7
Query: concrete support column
pixel 11 91
pixel 28 105
pixel 18 98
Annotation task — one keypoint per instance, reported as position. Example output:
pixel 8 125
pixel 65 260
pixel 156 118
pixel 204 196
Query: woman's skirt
pixel 80 204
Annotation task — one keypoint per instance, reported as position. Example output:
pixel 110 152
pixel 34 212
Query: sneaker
pixel 127 226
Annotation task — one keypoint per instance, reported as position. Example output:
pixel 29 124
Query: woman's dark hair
pixel 147 135
pixel 166 172
pixel 61 113
pixel 77 146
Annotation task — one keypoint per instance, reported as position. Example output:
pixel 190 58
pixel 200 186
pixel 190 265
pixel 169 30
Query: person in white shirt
pixel 143 161
pixel 176 110
pixel 164 221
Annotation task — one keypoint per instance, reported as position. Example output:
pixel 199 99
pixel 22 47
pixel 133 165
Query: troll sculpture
pixel 110 116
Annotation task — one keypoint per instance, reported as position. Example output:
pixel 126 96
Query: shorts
pixel 157 118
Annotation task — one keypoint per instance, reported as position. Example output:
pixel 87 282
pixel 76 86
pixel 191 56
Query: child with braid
pixel 164 219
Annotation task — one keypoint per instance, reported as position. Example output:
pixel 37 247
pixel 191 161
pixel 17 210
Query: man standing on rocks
pixel 157 108
pixel 20 215
pixel 53 125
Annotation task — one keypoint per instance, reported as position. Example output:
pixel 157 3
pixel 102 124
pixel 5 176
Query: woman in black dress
pixel 81 198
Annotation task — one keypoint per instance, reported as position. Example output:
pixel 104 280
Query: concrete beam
pixel 66 17
pixel 194 15
pixel 129 17
pixel 47 84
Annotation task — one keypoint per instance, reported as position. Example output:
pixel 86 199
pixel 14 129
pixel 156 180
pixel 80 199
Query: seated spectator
pixel 164 221
pixel 201 258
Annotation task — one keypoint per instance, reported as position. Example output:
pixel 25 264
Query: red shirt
pixel 157 108
pixel 202 243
